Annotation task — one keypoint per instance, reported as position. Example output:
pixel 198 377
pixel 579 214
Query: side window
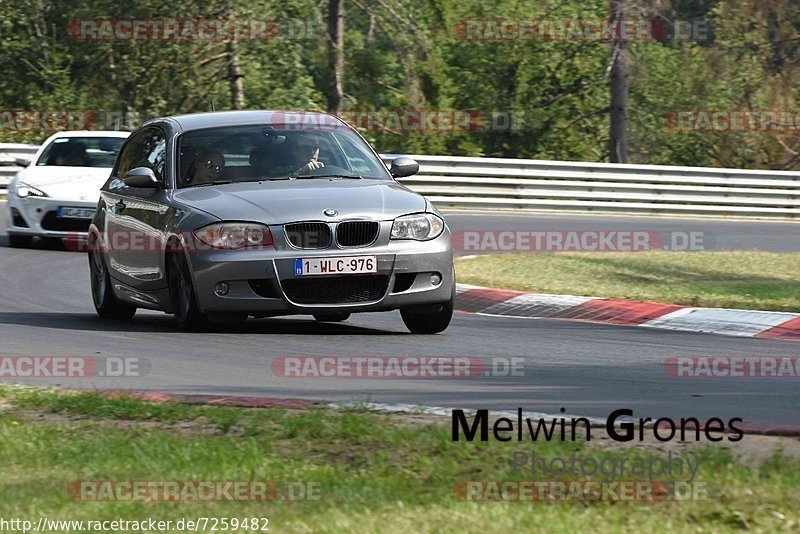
pixel 154 151
pixel 147 148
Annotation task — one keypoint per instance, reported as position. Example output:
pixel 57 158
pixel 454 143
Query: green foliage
pixel 407 55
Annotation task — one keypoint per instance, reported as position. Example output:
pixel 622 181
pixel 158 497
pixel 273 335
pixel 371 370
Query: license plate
pixel 76 213
pixel 335 265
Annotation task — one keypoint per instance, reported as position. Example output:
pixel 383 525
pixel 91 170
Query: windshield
pixel 254 153
pixel 81 152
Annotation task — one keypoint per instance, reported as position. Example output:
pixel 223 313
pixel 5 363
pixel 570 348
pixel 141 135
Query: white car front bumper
pixel 38 216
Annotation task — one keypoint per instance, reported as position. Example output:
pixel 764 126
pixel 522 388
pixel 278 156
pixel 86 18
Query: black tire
pixel 181 293
pixel 430 322
pixel 19 241
pixel 331 317
pixel 105 303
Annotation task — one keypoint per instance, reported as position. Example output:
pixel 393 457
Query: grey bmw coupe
pixel 223 216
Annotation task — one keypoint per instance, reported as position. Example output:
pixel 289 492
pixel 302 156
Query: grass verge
pixel 375 472
pixel 740 279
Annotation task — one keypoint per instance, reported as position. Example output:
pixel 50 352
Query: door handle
pixel 119 206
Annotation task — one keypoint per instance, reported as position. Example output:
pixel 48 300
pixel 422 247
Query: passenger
pixel 206 168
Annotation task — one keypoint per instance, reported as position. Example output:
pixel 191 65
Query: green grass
pixel 741 279
pixel 376 472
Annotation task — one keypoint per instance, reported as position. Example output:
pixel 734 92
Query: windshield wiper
pixel 319 176
pixel 217 182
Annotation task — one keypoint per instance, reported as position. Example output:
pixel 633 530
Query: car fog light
pixel 436 278
pixel 221 288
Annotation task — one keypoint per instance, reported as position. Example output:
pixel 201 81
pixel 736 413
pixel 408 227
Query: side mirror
pixel 142 177
pixel 22 162
pixel 403 167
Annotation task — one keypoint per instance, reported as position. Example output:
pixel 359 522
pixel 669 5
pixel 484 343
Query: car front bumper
pixel 409 273
pixel 38 216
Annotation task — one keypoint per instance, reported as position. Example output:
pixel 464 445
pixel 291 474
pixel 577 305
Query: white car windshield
pixel 81 152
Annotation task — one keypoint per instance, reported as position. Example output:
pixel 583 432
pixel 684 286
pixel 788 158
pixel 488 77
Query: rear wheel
pixel 20 241
pixel 105 302
pixel 181 293
pixel 331 317
pixel 429 322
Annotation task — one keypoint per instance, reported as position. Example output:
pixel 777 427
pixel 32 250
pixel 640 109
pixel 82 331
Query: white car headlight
pixel 234 235
pixel 24 190
pixel 420 226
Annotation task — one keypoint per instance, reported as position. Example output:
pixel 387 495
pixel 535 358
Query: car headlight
pixel 234 235
pixel 24 190
pixel 420 226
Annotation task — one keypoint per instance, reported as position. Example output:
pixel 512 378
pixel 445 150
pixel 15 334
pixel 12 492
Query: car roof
pixel 198 121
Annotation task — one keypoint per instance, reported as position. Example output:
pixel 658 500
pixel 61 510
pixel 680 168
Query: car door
pixel 111 201
pixel 141 215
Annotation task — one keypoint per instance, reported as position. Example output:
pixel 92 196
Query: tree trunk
pixel 618 138
pixel 235 75
pixel 335 56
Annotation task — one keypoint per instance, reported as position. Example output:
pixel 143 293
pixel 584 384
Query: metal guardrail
pixel 496 183
pixel 604 187
pixel 8 167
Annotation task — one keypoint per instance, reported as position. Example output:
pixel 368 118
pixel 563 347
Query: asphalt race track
pixel 589 369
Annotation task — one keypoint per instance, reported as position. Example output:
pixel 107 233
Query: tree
pixel 618 66
pixel 335 56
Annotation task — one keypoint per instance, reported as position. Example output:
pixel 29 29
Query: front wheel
pixel 181 293
pixel 105 303
pixel 429 322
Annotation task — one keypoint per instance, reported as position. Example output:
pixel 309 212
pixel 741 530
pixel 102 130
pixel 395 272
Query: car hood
pixel 68 183
pixel 282 201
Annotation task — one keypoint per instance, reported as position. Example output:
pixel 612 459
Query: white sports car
pixel 55 195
